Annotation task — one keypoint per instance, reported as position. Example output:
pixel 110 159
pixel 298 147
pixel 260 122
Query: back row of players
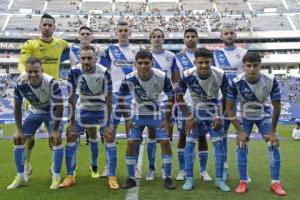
pixel 108 81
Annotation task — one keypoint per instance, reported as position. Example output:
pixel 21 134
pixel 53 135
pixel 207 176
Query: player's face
pixel 190 40
pixel 157 39
pixel 47 27
pixel 34 73
pixel 88 61
pixel 85 36
pixel 143 67
pixel 123 32
pixel 228 36
pixel 203 65
pixel 252 70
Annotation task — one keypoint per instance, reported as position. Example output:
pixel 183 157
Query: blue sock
pixel 241 154
pixel 57 158
pixel 19 153
pixel 181 158
pixel 76 150
pixel 71 157
pixel 225 147
pixel 111 158
pixel 203 156
pixel 167 163
pixel 131 162
pixel 219 156
pixel 137 151
pixel 151 150
pixel 189 157
pixel 274 162
pixel 94 151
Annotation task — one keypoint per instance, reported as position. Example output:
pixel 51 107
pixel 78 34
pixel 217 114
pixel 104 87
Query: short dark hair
pixel 251 57
pixel 88 48
pixel 226 26
pixel 33 60
pixel 156 29
pixel 85 28
pixel 47 16
pixel 203 52
pixel 122 23
pixel 143 54
pixel 190 30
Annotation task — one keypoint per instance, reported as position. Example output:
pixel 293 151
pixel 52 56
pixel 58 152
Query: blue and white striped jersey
pixel 40 98
pixel 254 98
pixel 166 62
pixel 204 92
pixel 146 94
pixel 91 88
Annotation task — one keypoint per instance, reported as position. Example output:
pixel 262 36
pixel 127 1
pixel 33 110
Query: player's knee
pixel 30 143
pixel 151 133
pixel 181 141
pixel 165 146
pixel 71 137
pixel 18 140
pixel 109 137
pixel 92 132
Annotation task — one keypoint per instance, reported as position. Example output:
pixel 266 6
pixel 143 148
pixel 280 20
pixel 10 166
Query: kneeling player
pixel 45 97
pixel 253 90
pixel 204 83
pixel 93 84
pixel 146 84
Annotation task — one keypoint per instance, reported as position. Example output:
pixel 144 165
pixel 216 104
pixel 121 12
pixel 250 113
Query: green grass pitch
pixel 88 188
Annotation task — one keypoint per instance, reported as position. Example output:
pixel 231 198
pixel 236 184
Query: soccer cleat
pixel 242 188
pixel 113 183
pixel 94 172
pixel 181 175
pixel 222 185
pixel 169 184
pixel 151 175
pixel 137 174
pixel 249 179
pixel 55 182
pixel 68 182
pixel 27 171
pixel 225 174
pixel 205 176
pixel 129 183
pixel 18 182
pixel 105 172
pixel 277 189
pixel 163 176
pixel 188 184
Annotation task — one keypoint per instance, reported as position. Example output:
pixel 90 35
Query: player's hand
pixel 109 130
pixel 19 137
pixel 217 124
pixel 55 138
pixel 242 139
pixel 165 124
pixel 273 139
pixel 189 125
pixel 128 125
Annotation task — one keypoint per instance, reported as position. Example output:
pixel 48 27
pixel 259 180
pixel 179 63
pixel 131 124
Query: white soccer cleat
pixel 27 171
pixel 181 175
pixel 137 174
pixel 205 176
pixel 55 182
pixel 105 172
pixel 18 182
pixel 151 175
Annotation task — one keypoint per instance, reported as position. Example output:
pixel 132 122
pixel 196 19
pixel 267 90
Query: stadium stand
pixel 91 5
pixel 66 6
pixel 270 22
pixel 232 6
pixel 293 5
pixel 24 23
pixel 260 5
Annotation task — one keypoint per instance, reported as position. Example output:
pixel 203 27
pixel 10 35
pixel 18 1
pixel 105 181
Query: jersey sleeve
pixel 174 67
pixel 65 55
pixel 168 88
pixel 17 95
pixel 224 86
pixel 275 92
pixel 232 91
pixel 26 52
pixel 124 88
pixel 105 59
pixel 181 87
pixel 56 92
pixel 108 80
pixel 72 79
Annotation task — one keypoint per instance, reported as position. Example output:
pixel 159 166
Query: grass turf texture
pixel 88 188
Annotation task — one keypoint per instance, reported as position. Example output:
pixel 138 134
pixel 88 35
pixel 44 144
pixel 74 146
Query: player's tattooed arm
pixel 18 115
pixel 71 102
pixel 108 102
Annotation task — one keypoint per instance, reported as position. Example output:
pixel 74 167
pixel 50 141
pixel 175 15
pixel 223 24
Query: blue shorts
pixel 116 110
pixel 141 121
pixel 86 119
pixel 34 120
pixel 264 126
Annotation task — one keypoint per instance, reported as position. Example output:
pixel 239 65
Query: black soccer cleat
pixel 129 183
pixel 169 184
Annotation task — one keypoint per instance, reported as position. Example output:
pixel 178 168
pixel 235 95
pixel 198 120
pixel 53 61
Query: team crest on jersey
pixel 238 56
pixel 168 59
pixel 58 45
pixel 214 89
pixel 133 51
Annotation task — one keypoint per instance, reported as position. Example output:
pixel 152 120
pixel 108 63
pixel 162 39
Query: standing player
pixel 45 97
pixel 146 85
pixel 185 61
pixel 229 58
pixel 52 51
pixel 92 83
pixel 165 61
pixel 121 57
pixel 204 84
pixel 253 90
